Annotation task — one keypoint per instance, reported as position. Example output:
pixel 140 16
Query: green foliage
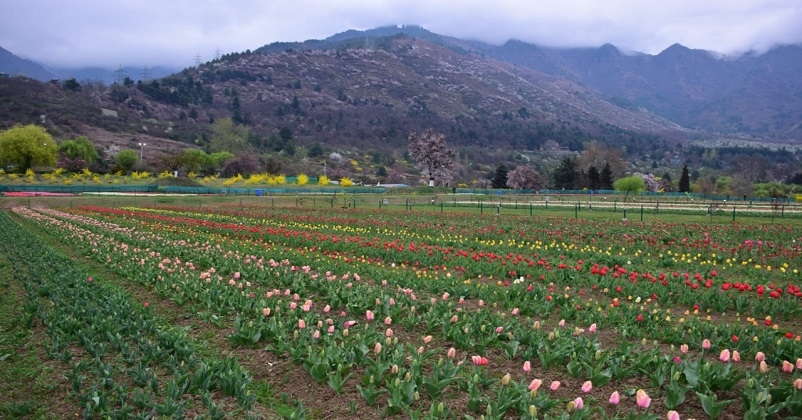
pixel 228 137
pixel 79 148
pixel 127 159
pixel 631 184
pixel 500 177
pixel 685 180
pixel 27 146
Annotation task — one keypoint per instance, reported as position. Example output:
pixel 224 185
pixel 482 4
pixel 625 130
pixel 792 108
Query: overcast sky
pixel 109 33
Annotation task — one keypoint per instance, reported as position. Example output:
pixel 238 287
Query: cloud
pixel 151 32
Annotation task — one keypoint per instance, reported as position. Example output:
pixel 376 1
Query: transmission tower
pixel 217 53
pixel 146 74
pixel 197 60
pixel 119 75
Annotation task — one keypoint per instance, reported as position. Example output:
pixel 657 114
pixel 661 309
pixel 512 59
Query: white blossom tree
pixel 525 178
pixel 432 156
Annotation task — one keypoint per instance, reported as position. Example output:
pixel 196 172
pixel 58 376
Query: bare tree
pixel 525 178
pixel 432 156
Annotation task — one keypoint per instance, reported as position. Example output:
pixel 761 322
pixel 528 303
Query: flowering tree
pixel 525 178
pixel 432 156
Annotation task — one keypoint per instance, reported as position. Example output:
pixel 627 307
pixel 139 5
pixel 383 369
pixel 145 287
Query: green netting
pixel 75 189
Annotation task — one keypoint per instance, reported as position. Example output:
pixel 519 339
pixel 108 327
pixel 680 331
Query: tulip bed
pixel 375 313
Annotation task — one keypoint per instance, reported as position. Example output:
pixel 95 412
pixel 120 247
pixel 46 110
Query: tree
pixel 72 84
pixel 594 178
pixel 606 178
pixel 27 146
pixel 685 180
pixel 500 177
pixel 525 178
pixel 228 137
pixel 599 155
pixel 631 184
pixel 173 161
pixel 127 159
pixel 79 148
pixel 432 156
pixel 565 174
pixel 315 150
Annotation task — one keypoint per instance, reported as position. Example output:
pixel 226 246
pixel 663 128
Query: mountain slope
pixel 12 65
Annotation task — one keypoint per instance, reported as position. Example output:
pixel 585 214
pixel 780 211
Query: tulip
pixel 706 344
pixel 799 363
pixel 515 311
pixel 445 296
pixel 452 353
pixel 587 386
pixel 759 357
pixel 331 329
pixel 266 311
pixel 683 348
pixel 677 359
pixel 146 304
pixel 428 339
pixel 301 324
pixel 561 323
pixel 454 319
pixel 763 367
pixel 788 367
pixel 527 366
pixel 555 385
pixel 642 399
pixel 736 356
pixel 316 334
pixel 377 348
pixel 673 415
pixel 615 398
pixel 592 328
pixel 578 403
pixel 236 275
pixel 798 384
pixel 369 315
pixel 506 379
pixel 499 330
pixel 388 321
pixel 535 384
pixel 724 356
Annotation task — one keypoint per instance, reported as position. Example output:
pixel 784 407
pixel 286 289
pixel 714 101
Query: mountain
pixel 109 76
pixel 367 90
pixel 12 65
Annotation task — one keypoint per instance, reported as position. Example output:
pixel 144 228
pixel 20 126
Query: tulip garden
pixel 261 312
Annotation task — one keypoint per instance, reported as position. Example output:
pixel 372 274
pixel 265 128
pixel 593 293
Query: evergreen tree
pixel 685 180
pixel 565 174
pixel 594 178
pixel 606 177
pixel 500 178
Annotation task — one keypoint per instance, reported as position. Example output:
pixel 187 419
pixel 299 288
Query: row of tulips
pixel 313 310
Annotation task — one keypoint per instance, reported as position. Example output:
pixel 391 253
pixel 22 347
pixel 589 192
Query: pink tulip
pixel 706 344
pixel 266 311
pixel 377 348
pixel 724 356
pixel 369 315
pixel 592 328
pixel 642 399
pixel 587 386
pixel 798 384
pixel 683 348
pixel 452 353
pixel 499 330
pixel 316 334
pixel 388 333
pixel 677 359
pixel 392 302
pixel 673 415
pixel 561 323
pixel 759 357
pixel 301 324
pixel 788 367
pixel 736 356
pixel 236 275
pixel 445 296
pixel 481 302
pixel 326 309
pixel 527 366
pixel 763 367
pixel 615 398
pixel 579 404
pixel 515 311
pixel 554 385
pixel 799 364
pixel 535 384
pixel 428 339
pixel 331 329
pixel 388 321
pixel 454 319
